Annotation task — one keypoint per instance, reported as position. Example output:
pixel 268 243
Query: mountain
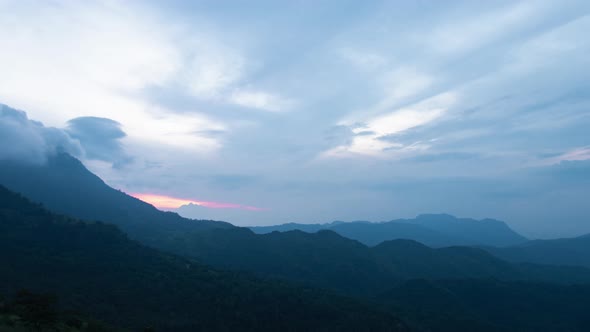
pixel 485 231
pixel 93 267
pixel 327 259
pixel 65 186
pixel 322 259
pixel 568 251
pixel 435 230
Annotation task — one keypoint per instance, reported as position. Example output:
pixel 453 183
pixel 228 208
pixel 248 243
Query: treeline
pixel 95 268
pixel 28 311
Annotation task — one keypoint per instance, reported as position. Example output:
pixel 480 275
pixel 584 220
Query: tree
pixel 36 310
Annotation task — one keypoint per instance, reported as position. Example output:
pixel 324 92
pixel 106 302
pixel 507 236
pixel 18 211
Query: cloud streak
pixel 168 202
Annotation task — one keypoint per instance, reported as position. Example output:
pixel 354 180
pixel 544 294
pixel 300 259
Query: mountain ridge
pixel 96 268
pixel 564 251
pixel 64 185
pixel 325 259
pixel 436 230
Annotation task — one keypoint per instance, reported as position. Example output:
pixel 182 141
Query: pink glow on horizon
pixel 168 202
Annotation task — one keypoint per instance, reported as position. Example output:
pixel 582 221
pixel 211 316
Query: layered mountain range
pixel 98 248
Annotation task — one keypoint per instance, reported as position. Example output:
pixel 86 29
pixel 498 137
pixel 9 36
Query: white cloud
pixel 213 70
pixel 62 60
pixel 260 100
pixel 401 120
pixel 370 137
pixel 578 154
pixel 402 83
pixel 160 126
pixel 397 87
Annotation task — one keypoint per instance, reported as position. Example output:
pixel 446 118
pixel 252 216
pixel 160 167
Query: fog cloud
pixel 30 141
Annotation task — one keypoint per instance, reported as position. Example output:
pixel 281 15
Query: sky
pixel 266 112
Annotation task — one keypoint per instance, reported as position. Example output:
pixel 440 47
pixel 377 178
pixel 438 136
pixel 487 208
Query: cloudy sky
pixel 265 112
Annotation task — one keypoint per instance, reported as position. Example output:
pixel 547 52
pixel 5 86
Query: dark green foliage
pixel 95 268
pixel 489 305
pixel 28 311
pixel 323 259
pixel 36 310
pixel 329 260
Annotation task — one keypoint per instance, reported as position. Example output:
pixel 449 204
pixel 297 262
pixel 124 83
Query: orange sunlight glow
pixel 168 202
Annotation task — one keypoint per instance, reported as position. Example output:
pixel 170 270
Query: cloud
pixel 575 171
pixel 468 34
pixel 212 70
pixel 101 138
pixel 112 54
pixel 203 92
pixel 25 140
pixel 260 100
pixel 444 157
pixel 168 202
pixel 578 154
pixel 401 83
pixel 376 137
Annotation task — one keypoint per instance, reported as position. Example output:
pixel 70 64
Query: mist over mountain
pixel 569 251
pixel 436 230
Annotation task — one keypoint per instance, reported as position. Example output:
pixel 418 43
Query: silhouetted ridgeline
pixel 64 185
pixel 323 259
pixel 95 268
pixel 435 230
pixel 572 251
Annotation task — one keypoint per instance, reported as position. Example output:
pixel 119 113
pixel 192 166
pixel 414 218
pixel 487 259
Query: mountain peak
pixel 435 230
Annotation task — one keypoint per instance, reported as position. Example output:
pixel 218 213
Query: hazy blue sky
pixel 313 111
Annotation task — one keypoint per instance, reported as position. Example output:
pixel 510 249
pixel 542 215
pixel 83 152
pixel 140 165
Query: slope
pixel 95 268
pixel 567 251
pixel 65 186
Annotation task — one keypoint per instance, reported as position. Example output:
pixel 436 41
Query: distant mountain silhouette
pixel 64 185
pixel 95 268
pixel 329 260
pixel 324 259
pixel 435 230
pixel 568 251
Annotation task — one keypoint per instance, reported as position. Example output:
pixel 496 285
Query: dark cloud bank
pixel 30 141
